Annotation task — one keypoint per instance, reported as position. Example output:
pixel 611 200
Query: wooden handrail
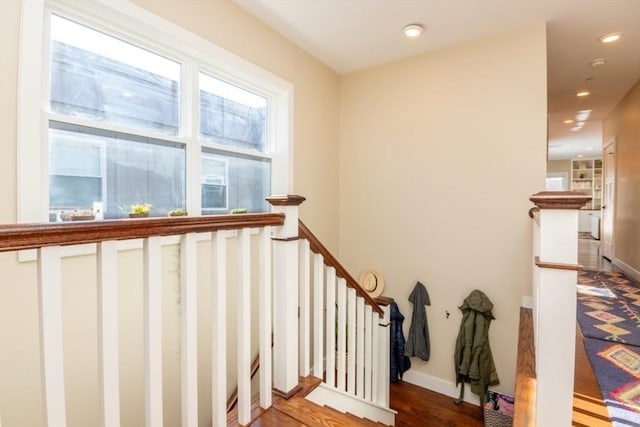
pixel 557 265
pixel 331 261
pixel 233 399
pixel 29 236
pixel 525 395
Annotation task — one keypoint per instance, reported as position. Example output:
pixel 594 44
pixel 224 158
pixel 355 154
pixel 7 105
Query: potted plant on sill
pixel 140 210
pixel 178 212
pixel 78 215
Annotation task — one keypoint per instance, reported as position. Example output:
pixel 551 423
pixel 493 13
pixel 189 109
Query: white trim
pixel 439 386
pixel 635 274
pixel 339 400
pixel 135 24
pixel 29 130
pixel 527 301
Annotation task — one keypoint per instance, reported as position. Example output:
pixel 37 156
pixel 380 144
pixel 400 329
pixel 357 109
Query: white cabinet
pixel 586 177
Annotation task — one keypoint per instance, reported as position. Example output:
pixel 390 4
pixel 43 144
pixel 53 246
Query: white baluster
pixel 219 328
pixel 330 372
pixel 264 313
pixel 351 341
pixel 109 374
pixel 153 331
pixel 244 327
pixel 384 348
pixel 305 308
pixel 372 366
pixel 318 315
pixel 50 293
pixel 360 325
pixel 368 320
pixel 342 326
pixel 189 338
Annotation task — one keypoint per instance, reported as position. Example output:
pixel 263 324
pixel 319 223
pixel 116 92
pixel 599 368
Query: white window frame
pixel 563 175
pixel 142 28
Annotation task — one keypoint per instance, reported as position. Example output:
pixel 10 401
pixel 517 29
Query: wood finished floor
pixel 420 407
pixel 588 407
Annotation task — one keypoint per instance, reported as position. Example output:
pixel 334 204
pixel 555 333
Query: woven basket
pixel 495 418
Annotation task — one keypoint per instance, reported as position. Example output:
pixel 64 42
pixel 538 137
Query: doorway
pixel 608 201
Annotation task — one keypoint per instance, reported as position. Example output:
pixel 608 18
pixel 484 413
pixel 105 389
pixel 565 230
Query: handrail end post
pixel 285 294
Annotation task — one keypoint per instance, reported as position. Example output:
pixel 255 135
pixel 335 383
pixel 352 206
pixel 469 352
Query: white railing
pixel 555 259
pixel 269 259
pixel 153 234
pixel 344 334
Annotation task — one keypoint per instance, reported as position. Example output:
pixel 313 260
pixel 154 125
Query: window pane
pixel 99 77
pixel 232 116
pixel 234 181
pixel 130 170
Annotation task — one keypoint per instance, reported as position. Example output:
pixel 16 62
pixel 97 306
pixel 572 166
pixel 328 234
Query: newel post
pixel 554 306
pixel 285 295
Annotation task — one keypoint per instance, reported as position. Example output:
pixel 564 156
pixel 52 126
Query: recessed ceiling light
pixel 589 148
pixel 583 93
pixel 413 30
pixel 610 38
pixel 568 121
pixel 597 63
pixel 580 155
pixel 582 115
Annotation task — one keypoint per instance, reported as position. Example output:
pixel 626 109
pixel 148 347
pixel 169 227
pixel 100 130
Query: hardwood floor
pixel 420 407
pixel 588 407
pixel 590 258
pixel 417 406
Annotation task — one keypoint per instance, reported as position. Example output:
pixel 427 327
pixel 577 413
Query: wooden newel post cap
pixel 560 199
pixel 285 200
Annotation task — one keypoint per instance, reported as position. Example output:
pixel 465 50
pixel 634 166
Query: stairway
pixel 297 411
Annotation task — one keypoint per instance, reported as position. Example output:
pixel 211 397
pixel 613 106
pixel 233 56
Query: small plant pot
pixel 138 214
pixel 82 217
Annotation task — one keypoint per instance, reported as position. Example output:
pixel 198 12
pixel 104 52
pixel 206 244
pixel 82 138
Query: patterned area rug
pixel 617 369
pixel 609 307
pixel 608 313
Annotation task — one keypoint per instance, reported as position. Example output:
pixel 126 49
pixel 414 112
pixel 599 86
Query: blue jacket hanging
pixel 398 361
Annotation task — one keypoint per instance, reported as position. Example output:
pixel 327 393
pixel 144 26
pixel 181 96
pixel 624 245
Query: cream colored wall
pixel 439 154
pixel 315 156
pixel 558 166
pixel 623 123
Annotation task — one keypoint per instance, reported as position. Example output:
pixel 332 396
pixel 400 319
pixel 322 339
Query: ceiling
pixel 349 35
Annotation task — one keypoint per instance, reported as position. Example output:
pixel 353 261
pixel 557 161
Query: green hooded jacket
pixel 473 360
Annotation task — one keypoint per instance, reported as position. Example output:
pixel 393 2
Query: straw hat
pixel 372 282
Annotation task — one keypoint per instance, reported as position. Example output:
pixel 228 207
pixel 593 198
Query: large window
pixel 129 119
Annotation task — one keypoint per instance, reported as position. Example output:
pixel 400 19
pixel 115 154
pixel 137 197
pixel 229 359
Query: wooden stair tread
pixel 313 415
pixel 256 412
pixel 308 384
pixel 275 418
pixel 297 411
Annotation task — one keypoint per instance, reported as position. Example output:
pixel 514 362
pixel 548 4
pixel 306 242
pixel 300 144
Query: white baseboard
pixel 440 386
pixel 348 403
pixel 635 274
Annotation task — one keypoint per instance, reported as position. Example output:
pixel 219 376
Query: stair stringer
pixel 325 395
